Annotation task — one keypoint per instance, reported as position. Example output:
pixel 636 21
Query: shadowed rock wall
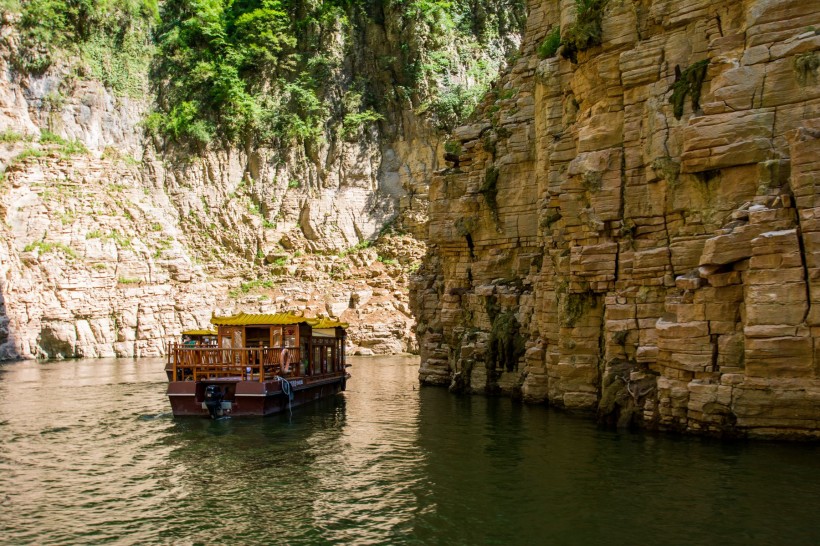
pixel 604 245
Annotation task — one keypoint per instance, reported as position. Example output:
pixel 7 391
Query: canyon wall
pixel 631 229
pixel 114 240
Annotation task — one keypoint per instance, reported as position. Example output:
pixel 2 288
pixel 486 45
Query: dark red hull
pixel 251 398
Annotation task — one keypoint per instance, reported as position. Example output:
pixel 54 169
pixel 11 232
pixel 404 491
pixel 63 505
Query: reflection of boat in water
pixel 256 365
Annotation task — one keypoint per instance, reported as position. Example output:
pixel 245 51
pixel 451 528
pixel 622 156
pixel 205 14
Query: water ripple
pixel 92 455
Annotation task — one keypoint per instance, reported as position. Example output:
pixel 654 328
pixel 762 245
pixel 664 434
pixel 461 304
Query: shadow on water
pixel 532 474
pixel 91 454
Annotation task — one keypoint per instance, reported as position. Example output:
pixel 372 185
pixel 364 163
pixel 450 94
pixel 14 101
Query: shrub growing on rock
pixel 586 31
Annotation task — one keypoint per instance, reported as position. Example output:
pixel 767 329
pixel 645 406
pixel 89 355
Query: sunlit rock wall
pixel 115 249
pixel 593 250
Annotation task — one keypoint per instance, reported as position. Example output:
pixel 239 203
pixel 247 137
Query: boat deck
pixel 251 382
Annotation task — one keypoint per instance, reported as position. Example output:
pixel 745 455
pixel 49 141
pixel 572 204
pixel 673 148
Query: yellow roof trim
pixel 253 319
pixel 327 323
pixel 199 333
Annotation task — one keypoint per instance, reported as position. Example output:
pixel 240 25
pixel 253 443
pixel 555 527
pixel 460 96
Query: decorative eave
pixel 328 323
pixel 251 319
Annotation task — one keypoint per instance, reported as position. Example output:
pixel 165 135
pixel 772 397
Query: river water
pixel 90 454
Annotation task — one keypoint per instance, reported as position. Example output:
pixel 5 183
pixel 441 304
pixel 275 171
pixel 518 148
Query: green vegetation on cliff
pixel 233 67
pixel 688 82
pixel 587 30
pixel 276 71
pixel 551 43
pixel 112 38
pixel 506 343
pixel 271 71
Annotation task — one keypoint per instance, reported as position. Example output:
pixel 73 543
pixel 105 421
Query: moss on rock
pixel 489 189
pixel 506 344
pixel 688 82
pixel 805 67
pixel 586 31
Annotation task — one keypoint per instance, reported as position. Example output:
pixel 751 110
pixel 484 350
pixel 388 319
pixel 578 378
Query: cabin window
pixel 326 356
pixel 304 353
pixel 290 336
pixel 276 337
pixel 257 337
pixel 317 359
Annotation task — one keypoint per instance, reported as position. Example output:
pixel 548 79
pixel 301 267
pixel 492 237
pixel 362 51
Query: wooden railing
pixel 257 364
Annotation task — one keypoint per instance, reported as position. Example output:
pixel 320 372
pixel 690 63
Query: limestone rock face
pixel 599 250
pixel 100 258
pixel 91 264
pixel 113 242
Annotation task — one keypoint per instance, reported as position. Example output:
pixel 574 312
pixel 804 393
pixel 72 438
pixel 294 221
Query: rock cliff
pixel 115 239
pixel 630 229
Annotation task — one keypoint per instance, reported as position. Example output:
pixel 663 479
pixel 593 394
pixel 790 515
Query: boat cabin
pixel 291 344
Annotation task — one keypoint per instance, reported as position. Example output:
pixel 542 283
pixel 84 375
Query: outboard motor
pixel 213 400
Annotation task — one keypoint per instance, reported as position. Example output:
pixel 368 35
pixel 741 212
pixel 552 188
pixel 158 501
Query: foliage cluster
pixel 805 67
pixel 506 344
pixel 111 37
pixel 122 241
pixel 270 71
pixel 354 121
pixel 362 245
pixel 237 69
pixel 65 147
pixel 549 47
pixel 587 30
pixel 453 147
pixel 451 80
pixel 246 287
pixel 27 153
pixel 260 71
pixel 689 82
pixel 456 102
pixel 43 247
pixel 10 137
pixel 574 306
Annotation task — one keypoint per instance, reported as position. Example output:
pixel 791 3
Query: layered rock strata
pixel 609 242
pixel 112 243
pixel 95 261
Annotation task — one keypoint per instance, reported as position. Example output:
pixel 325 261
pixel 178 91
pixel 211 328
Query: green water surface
pixel 89 454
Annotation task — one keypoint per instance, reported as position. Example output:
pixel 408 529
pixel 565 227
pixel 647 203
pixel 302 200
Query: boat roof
pixel 255 319
pixel 199 333
pixel 328 323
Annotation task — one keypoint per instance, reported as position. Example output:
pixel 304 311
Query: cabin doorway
pixel 257 337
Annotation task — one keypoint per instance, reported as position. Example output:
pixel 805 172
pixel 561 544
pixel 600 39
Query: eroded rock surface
pixel 594 248
pixel 113 242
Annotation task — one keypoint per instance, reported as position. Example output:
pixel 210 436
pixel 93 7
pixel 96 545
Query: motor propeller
pixel 213 400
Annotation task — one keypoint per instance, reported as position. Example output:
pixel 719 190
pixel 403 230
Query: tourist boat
pixel 256 364
pixel 199 338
